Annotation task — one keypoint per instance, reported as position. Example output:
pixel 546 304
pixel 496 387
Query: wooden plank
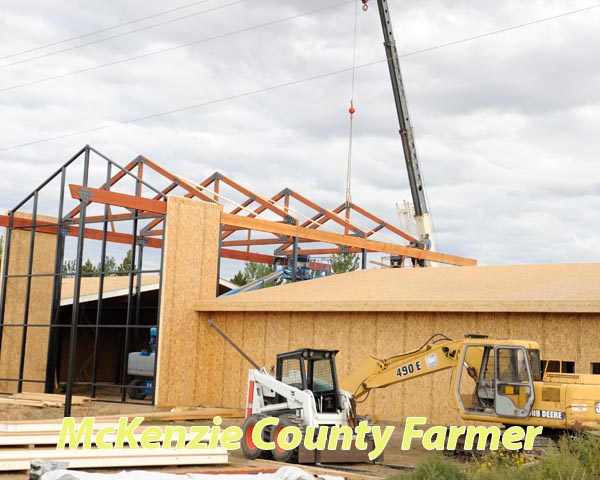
pixel 39 308
pixel 189 275
pixel 119 199
pixel 339 239
pixel 202 414
pixel 27 403
pixel 52 438
pixel 73 231
pixel 55 425
pixel 19 459
pixel 55 397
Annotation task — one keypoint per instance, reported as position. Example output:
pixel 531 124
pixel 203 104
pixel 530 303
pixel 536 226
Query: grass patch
pixel 578 458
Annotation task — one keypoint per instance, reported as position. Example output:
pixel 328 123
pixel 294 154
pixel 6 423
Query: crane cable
pixel 351 111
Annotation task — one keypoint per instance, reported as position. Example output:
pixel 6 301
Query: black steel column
pixel 85 196
pixel 295 259
pixel 27 298
pixel 61 232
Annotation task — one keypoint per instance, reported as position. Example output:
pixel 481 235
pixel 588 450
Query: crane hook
pixel 365 6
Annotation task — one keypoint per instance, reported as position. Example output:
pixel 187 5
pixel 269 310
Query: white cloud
pixel 505 125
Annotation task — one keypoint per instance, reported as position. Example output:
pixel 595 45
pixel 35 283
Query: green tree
pixel 125 266
pixel 344 262
pixel 88 267
pixel 252 271
pixel 110 265
pixel 68 267
pixel 239 279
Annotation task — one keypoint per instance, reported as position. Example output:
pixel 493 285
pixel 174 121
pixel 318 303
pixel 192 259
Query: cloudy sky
pixel 505 124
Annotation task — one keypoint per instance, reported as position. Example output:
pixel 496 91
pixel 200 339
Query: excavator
pixel 497 381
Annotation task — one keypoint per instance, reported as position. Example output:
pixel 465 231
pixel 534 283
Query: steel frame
pixel 284 226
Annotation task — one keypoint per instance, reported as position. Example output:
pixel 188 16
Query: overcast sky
pixel 506 126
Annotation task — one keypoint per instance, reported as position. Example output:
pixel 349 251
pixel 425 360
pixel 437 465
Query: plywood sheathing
pixel 189 276
pixel 518 288
pixel 40 307
pixel 386 312
pixel 113 286
pixel 382 334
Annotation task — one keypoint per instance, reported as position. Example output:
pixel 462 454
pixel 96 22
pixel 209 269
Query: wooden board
pixel 52 438
pixel 519 288
pixel 40 306
pixel 36 426
pixel 384 334
pixel 189 275
pixel 13 459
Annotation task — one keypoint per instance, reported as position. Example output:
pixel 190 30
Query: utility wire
pixel 169 49
pixel 102 30
pixel 281 85
pixel 156 52
pixel 190 107
pixel 94 42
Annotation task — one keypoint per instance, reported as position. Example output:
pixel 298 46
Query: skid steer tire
pixel 251 451
pixel 135 390
pixel 279 454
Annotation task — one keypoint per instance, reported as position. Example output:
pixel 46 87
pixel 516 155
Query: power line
pixel 503 30
pixel 216 37
pixel 94 42
pixel 190 107
pixel 281 85
pixel 169 49
pixel 102 30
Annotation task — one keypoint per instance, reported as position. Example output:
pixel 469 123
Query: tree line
pixel 340 263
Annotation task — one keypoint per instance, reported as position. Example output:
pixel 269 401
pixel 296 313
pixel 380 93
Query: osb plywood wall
pixel 357 335
pixel 189 276
pixel 40 306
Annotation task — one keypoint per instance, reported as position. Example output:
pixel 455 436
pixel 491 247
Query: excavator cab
pixel 503 376
pixel 314 370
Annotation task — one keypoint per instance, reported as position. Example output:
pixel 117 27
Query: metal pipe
pixel 234 345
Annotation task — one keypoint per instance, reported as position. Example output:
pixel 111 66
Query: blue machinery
pixel 284 272
pixel 141 364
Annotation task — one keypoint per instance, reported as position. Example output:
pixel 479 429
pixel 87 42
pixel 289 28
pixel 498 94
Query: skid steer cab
pixel 304 392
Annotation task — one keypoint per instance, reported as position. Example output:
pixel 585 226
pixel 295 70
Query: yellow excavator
pixel 497 381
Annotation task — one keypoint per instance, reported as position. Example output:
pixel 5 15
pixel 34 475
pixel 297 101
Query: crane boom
pixel 411 158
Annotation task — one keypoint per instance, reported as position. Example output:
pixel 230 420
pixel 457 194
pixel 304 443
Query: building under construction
pixel 75 332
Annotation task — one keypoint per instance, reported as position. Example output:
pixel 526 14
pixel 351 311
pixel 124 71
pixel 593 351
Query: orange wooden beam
pixel 119 199
pixel 114 179
pixel 339 239
pixel 73 231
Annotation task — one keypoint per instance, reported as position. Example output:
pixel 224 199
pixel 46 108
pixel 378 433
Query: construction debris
pixel 284 473
pixel 20 446
pixel 42 400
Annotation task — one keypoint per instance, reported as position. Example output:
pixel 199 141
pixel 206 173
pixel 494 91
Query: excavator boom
pixel 438 353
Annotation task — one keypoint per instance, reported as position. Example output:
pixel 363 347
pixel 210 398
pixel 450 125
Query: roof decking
pixel 517 288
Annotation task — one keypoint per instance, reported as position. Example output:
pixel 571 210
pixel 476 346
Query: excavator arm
pixel 438 353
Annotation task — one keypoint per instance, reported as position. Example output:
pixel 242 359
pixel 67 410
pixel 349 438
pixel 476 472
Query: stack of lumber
pixel 42 400
pixel 20 443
